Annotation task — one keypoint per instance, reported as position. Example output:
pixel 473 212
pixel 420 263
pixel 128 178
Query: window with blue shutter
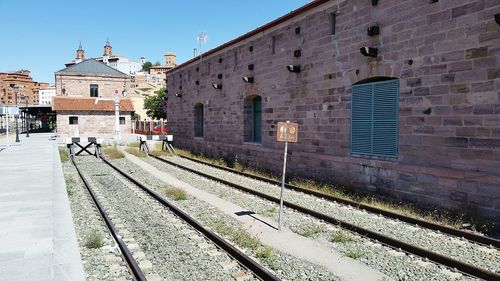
pixel 374 118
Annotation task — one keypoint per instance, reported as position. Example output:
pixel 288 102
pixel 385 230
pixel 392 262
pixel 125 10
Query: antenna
pixel 202 39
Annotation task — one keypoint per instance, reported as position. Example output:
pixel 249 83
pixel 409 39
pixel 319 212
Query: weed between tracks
pixel 265 254
pixel 436 215
pixel 340 236
pixel 236 234
pixel 308 232
pixel 113 153
pixel 354 254
pixel 70 183
pixel 269 212
pixel 158 152
pixel 175 193
pixel 243 239
pixel 135 151
pixel 94 239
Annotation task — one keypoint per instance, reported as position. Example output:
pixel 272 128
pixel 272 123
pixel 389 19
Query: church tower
pixel 80 53
pixel 107 48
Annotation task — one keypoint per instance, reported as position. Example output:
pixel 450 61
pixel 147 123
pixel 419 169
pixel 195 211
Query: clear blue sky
pixel 43 35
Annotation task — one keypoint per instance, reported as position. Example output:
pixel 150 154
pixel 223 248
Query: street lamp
pixel 15 88
pixel 26 117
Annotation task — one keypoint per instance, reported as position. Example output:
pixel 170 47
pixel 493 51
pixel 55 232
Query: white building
pixel 118 62
pixel 46 94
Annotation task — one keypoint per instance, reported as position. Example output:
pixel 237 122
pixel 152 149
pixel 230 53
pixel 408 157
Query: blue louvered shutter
pixel 374 118
pixel 385 118
pixel 361 119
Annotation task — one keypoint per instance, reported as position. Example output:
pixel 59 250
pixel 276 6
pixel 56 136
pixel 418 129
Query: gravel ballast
pixel 456 248
pixel 395 264
pixel 284 266
pixel 172 248
pixel 101 263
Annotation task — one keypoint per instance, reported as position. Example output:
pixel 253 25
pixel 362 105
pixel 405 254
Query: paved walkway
pixel 285 240
pixel 37 236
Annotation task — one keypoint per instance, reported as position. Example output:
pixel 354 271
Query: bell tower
pixel 80 53
pixel 108 50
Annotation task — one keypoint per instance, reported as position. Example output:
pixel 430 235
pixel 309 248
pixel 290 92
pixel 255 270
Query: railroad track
pixel 464 267
pixel 477 238
pixel 242 259
pixel 125 251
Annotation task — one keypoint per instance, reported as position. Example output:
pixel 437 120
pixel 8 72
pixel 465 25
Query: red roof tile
pixel 74 103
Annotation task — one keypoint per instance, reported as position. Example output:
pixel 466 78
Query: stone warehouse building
pixel 84 100
pixel 415 115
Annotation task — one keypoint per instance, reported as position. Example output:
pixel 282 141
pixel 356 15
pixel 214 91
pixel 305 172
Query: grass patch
pixel 265 254
pixel 236 234
pixel 311 231
pixel 94 240
pixel 70 183
pixel 113 153
pixel 175 193
pixel 436 215
pixel 354 254
pixel 340 236
pixel 135 151
pixel 158 152
pixel 63 154
pixel 134 144
pixel 270 212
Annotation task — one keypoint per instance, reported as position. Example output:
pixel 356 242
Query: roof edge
pixel 258 30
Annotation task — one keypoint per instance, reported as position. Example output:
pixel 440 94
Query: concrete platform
pixel 37 235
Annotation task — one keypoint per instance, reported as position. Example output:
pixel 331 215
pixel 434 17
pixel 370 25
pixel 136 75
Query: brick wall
pixel 79 86
pixel 99 124
pixel 446 56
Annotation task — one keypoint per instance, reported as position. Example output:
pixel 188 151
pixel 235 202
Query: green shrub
pixel 113 153
pixel 175 193
pixel 94 240
pixel 311 231
pixel 265 254
pixel 238 235
pixel 340 236
pixel 354 254
pixel 135 151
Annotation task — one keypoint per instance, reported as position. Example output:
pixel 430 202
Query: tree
pixel 146 66
pixel 157 63
pixel 155 105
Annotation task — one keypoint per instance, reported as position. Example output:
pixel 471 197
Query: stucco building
pixel 46 93
pixel 27 88
pixel 401 98
pixel 170 62
pixel 84 100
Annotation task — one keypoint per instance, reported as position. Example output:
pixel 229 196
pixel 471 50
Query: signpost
pixel 287 132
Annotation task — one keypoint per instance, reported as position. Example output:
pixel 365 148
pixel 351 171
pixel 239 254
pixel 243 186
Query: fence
pixel 152 127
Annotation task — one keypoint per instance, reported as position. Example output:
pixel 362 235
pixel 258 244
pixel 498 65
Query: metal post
pixel 16 116
pixel 17 127
pixel 8 111
pixel 117 119
pixel 280 216
pixel 26 119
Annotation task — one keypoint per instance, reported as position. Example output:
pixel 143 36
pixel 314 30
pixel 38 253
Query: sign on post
pixel 287 132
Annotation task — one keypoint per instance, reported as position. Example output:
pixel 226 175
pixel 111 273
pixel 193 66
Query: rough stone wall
pixel 99 124
pixel 79 86
pixel 446 56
